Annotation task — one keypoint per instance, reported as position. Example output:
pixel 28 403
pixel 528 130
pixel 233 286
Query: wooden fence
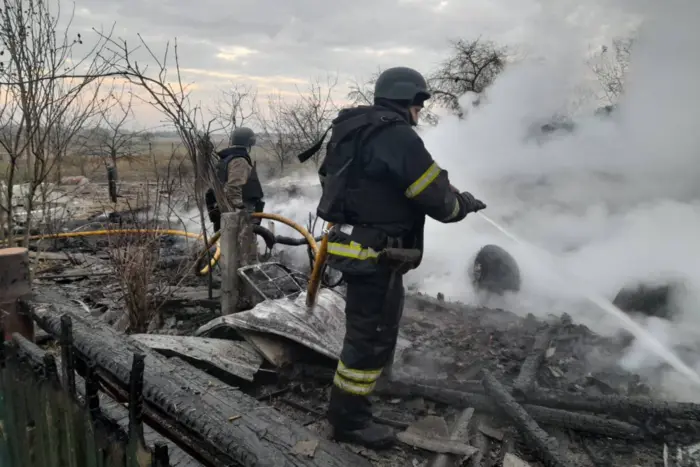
pixel 49 419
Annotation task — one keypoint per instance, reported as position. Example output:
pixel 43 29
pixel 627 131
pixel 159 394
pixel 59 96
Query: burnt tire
pixel 494 270
pixel 649 300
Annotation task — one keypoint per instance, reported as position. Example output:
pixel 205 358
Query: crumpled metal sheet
pixel 321 329
pixel 235 357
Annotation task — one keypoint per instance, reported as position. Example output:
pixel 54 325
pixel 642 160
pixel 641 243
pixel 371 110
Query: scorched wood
pixel 546 446
pixel 528 371
pixel 259 436
pixel 616 405
pixel 544 415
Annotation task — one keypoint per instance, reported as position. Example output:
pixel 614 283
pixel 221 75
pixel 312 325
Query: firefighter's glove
pixel 472 204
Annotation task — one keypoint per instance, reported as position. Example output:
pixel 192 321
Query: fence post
pixel 15 283
pixel 231 223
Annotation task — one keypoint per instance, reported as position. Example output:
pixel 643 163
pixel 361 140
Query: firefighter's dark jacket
pixel 395 184
pixel 252 189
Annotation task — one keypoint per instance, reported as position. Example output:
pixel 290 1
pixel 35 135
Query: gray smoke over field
pixel 615 201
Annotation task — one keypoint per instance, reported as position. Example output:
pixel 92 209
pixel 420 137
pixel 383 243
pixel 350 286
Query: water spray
pixel 638 331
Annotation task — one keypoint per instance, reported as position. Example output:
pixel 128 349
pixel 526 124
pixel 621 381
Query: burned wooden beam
pixel 544 415
pixel 635 407
pixel 528 371
pixel 261 436
pixel 546 446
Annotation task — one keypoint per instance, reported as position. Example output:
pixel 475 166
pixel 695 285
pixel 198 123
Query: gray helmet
pixel 242 136
pixel 401 84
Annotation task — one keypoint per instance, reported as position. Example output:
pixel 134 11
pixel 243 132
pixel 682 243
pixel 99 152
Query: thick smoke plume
pixel 616 200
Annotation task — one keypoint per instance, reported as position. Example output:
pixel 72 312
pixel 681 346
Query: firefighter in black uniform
pixel 239 184
pixel 379 182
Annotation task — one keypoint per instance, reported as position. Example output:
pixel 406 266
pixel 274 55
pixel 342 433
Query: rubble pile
pixel 470 386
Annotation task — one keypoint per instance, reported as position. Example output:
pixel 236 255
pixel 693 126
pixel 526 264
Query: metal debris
pixel 236 358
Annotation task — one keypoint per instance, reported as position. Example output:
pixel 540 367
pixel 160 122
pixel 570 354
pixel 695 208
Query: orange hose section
pixel 315 279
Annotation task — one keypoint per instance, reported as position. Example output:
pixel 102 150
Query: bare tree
pixel 167 92
pixel 37 54
pixel 237 105
pixel 311 114
pixel 69 127
pixel 471 67
pixel 110 140
pixel 9 135
pixel 277 139
pixel 362 90
pixel 291 127
pixel 610 67
pixel 362 93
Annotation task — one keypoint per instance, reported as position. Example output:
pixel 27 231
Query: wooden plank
pixel 259 436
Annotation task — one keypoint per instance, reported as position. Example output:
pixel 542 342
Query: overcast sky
pixel 278 45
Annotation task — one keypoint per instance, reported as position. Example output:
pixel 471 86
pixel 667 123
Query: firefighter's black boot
pixel 372 436
pixel 351 418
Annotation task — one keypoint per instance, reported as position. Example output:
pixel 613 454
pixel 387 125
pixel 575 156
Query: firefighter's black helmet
pixel 402 84
pixel 244 137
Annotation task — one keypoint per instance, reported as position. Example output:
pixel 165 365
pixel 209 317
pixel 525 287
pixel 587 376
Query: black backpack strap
pixel 306 155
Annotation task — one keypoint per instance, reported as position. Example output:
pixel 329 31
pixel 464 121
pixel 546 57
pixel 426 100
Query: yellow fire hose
pixel 319 261
pixel 214 240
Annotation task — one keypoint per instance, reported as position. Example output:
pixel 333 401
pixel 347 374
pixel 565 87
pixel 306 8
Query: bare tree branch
pixel 471 67
pixel 291 127
pixel 109 140
pixel 237 105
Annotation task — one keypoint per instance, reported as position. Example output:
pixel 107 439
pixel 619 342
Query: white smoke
pixel 615 201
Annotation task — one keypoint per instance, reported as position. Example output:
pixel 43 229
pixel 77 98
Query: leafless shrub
pixel 134 260
pixel 138 258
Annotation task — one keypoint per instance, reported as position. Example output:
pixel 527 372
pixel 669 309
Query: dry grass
pixel 162 160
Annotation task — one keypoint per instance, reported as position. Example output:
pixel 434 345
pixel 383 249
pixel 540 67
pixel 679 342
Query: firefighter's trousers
pixel 373 310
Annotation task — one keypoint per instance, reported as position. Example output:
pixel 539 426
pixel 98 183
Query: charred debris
pixel 471 386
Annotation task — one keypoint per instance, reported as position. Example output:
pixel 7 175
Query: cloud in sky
pixel 278 45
